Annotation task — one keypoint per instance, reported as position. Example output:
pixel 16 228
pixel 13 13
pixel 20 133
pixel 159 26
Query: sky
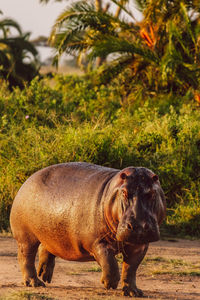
pixel 33 16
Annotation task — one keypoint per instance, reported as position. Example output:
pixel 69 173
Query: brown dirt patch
pixel 171 270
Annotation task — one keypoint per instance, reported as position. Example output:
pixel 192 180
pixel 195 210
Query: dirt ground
pixel 171 270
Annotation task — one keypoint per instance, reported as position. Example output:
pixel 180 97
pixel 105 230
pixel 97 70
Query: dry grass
pixel 161 266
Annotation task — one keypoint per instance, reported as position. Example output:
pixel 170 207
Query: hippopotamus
pixel 82 212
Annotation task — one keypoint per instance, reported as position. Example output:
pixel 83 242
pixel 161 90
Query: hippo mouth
pixel 137 237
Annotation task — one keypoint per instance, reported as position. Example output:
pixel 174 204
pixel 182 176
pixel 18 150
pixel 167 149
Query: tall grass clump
pixel 78 120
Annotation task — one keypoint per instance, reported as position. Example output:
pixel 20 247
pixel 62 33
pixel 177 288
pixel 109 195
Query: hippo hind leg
pixel 26 256
pixel 46 264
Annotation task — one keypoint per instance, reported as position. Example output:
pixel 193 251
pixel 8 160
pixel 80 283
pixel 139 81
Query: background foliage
pixel 80 120
pixel 18 56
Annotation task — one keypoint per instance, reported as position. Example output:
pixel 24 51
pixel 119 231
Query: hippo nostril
pixel 129 226
pixel 146 227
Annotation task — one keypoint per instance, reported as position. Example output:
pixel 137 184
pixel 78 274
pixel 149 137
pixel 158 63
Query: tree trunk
pixel 118 11
pixel 100 61
pixel 98 5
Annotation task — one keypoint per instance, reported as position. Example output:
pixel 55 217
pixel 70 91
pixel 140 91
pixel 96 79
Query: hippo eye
pixel 123 176
pixel 125 193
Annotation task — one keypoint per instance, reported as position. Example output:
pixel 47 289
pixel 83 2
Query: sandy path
pixel 160 276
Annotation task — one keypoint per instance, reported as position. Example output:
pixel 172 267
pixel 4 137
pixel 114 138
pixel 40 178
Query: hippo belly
pixel 60 206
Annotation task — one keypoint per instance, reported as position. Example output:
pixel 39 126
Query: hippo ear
pixel 155 177
pixel 123 176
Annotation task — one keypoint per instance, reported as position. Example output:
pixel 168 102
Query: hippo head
pixel 138 206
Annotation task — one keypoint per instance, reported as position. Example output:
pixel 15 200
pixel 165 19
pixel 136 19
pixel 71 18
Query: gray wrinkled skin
pixel 82 212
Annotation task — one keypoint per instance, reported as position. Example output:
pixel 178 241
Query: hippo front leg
pixel 110 270
pixel 132 257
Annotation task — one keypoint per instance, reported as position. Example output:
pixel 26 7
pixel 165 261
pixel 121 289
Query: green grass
pixel 178 273
pixel 77 120
pixel 26 296
pixel 93 269
pixel 171 261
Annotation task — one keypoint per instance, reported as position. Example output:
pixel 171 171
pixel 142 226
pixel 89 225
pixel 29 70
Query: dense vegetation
pixel 79 120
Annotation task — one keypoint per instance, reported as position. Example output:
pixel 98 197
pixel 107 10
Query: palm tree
pixel 161 51
pixel 82 29
pixel 173 30
pixel 81 26
pixel 93 7
pixel 18 57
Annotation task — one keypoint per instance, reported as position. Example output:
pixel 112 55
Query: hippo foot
pixel 33 282
pixel 110 282
pixel 132 292
pixel 46 272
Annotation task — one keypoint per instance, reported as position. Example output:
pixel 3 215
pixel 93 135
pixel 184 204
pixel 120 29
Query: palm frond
pixel 4 59
pixel 19 44
pixel 80 25
pixel 176 37
pixel 123 7
pixel 187 21
pixel 81 16
pixel 70 42
pixel 7 23
pixel 18 56
pixel 72 16
pixel 173 68
pixel 111 45
pixel 140 4
pixel 109 71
